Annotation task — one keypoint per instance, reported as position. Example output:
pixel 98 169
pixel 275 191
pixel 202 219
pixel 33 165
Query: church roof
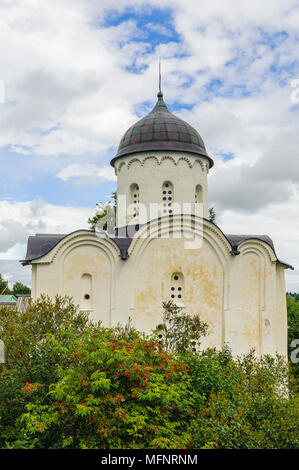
pixel 236 240
pixel 161 130
pixel 41 244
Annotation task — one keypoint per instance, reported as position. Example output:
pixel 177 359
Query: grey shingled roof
pixel 236 240
pixel 41 244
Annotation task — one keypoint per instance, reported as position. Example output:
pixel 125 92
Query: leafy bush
pixel 293 328
pixel 180 332
pixel 117 394
pixel 35 341
pixel 242 403
pixel 70 383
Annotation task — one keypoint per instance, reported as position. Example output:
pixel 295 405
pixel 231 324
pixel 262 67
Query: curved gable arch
pixel 96 258
pixel 201 227
pixel 220 248
pixel 80 237
pixel 255 274
pixel 86 253
pixel 259 247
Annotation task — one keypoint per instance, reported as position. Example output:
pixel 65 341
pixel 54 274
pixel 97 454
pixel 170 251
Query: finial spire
pixel 160 94
pixel 159 74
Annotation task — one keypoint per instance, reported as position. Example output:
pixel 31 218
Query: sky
pixel 75 74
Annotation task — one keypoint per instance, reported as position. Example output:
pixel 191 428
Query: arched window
pixel 177 288
pixel 86 292
pixel 198 194
pixel 167 198
pixel 134 196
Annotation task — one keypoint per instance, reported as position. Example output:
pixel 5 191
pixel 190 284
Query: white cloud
pixel 65 72
pixel 13 271
pixel 265 167
pixel 280 222
pixel 18 220
pixel 87 174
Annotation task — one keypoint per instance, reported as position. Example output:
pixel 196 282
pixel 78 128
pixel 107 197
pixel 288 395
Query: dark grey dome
pixel 161 130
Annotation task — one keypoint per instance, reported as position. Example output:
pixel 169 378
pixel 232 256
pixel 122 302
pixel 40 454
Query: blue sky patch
pixel 155 24
pixel 33 177
pixel 272 39
pixel 225 156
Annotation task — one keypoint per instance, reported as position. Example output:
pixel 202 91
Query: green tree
pixel 293 329
pixel 180 332
pixel 101 212
pixel 19 288
pixel 120 394
pixel 4 285
pixel 35 342
pixel 212 215
pixel 296 296
pixel 242 403
pixel 117 394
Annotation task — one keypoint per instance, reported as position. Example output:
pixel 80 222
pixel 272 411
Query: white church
pixel 235 283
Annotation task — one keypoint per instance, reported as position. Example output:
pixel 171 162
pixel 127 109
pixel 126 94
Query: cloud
pixel 11 233
pixel 64 65
pixel 18 220
pixel 264 144
pixel 87 174
pixel 13 271
pixel 280 221
pixel 159 28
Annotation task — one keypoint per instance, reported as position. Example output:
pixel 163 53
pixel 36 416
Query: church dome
pixel 161 130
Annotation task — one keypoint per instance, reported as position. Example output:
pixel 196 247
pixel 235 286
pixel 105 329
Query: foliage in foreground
pixel 242 403
pixel 68 383
pixel 117 394
pixel 179 331
pixel 293 330
pixel 35 342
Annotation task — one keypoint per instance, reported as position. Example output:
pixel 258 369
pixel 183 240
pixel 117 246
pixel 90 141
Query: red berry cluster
pixel 29 387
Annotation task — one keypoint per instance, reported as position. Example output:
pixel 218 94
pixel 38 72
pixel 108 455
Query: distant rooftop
pixel 8 298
